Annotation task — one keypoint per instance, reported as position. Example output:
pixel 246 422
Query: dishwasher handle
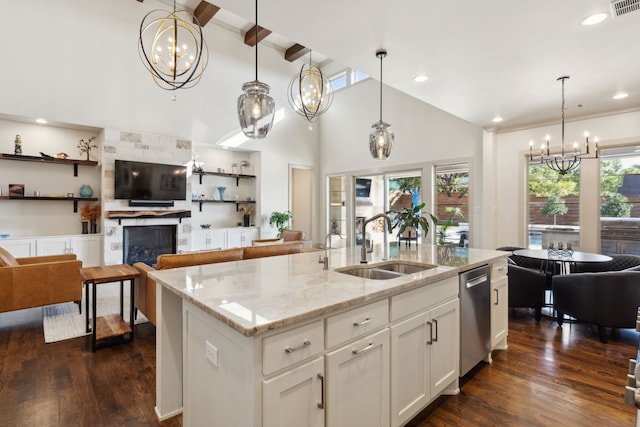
pixel 476 281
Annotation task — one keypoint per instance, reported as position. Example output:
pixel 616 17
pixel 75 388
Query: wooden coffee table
pixel 112 325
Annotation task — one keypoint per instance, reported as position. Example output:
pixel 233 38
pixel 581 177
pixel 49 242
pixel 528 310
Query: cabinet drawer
pixel 287 348
pixel 422 298
pixel 498 269
pixel 356 322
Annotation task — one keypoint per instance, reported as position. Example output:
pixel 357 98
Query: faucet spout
pixel 363 257
pixel 325 260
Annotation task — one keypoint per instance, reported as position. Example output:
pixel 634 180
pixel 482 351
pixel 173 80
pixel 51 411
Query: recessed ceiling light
pixel 41 121
pixel 421 78
pixel 497 119
pixel 594 19
pixel 620 95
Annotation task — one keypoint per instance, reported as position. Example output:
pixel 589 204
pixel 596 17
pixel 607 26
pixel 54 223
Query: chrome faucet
pixel 363 257
pixel 325 260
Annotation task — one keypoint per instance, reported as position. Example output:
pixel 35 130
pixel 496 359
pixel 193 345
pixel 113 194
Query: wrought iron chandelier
pixel 256 108
pixel 564 162
pixel 310 92
pixel 172 48
pixel 381 139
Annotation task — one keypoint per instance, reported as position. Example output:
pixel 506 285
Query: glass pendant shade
pixel 256 109
pixel 381 140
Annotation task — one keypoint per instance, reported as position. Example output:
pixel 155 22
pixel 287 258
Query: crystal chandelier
pixel 173 48
pixel 381 139
pixel 564 162
pixel 256 108
pixel 310 92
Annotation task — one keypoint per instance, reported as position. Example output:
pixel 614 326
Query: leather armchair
pixel 38 281
pixel 526 288
pixel 608 299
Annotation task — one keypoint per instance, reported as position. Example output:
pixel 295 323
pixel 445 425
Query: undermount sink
pixel 385 270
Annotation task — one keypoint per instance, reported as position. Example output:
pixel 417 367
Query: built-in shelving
pixel 237 202
pixel 74 162
pixel 75 200
pixel 226 175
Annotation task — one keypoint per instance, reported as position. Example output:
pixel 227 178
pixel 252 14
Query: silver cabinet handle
pixel 430 333
pixel 363 349
pixel 321 404
pixel 362 322
pixel 304 344
pixel 435 322
pixel 500 268
pixel 497 297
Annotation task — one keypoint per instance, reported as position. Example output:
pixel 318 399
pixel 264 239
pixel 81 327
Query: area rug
pixel 64 321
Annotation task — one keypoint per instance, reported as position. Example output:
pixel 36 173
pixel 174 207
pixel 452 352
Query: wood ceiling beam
pixel 204 12
pixel 250 36
pixel 296 51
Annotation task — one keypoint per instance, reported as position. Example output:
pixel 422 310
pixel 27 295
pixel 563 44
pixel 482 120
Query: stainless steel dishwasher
pixel 475 317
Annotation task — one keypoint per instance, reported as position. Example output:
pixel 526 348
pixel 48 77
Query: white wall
pixel 510 164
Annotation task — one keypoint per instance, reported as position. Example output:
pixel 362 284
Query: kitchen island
pixel 280 341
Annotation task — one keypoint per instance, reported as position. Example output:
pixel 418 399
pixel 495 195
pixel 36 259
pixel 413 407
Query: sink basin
pixel 385 270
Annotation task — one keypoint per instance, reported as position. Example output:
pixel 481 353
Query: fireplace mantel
pixel 120 215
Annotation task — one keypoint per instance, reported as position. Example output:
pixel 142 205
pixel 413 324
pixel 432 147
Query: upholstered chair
pixel 526 288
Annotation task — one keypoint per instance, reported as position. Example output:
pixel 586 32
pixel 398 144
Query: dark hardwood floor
pixel 548 376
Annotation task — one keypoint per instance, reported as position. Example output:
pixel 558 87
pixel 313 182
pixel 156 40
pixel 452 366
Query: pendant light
pixel 173 48
pixel 381 139
pixel 256 108
pixel 310 92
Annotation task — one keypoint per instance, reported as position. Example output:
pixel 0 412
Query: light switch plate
pixel 211 353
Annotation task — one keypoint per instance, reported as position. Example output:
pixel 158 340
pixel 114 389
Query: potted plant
pixel 280 220
pixel 411 218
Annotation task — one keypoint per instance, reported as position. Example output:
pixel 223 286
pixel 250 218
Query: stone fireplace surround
pixel 141 147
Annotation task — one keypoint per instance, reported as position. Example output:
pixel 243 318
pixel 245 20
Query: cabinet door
pixel 499 313
pixel 409 368
pixel 358 383
pixel 445 345
pixel 53 246
pixel 234 238
pixel 88 249
pixel 218 239
pixel 295 398
pixel 19 248
pixel 249 234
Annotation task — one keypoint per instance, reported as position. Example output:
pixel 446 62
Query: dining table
pixel 567 259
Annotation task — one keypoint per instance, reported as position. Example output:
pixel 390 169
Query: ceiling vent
pixel 622 7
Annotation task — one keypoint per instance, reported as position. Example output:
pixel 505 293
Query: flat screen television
pixel 363 187
pixel 150 181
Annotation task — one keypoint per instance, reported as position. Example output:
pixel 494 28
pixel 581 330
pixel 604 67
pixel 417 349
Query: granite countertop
pixel 258 295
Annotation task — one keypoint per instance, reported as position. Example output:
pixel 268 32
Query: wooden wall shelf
pixel 75 200
pixel 237 202
pixel 226 175
pixel 74 162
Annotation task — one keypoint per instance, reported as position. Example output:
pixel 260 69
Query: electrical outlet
pixel 211 353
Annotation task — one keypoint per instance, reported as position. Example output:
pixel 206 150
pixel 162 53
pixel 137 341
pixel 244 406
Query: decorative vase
pixel 94 226
pixel 87 155
pixel 245 220
pixel 221 191
pixel 85 227
pixel 86 191
pixel 17 150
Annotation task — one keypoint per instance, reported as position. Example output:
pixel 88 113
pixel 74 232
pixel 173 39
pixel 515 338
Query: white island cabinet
pixel 499 305
pixel 279 341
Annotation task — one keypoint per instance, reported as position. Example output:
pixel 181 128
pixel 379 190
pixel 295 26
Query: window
pixel 553 207
pixel 620 201
pixel 452 204
pixel 339 81
pixel 357 76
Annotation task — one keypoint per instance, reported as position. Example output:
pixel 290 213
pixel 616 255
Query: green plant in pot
pixel 411 218
pixel 280 220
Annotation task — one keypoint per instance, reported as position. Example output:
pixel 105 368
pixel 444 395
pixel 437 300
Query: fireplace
pixel 143 243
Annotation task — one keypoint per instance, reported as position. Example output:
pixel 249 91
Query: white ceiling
pixel 483 57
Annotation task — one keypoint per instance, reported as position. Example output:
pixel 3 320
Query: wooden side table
pixel 111 325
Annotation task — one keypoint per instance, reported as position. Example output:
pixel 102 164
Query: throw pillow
pixel 267 242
